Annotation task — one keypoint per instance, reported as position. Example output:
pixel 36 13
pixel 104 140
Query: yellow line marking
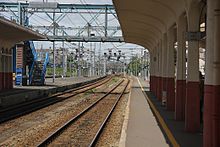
pixel 160 119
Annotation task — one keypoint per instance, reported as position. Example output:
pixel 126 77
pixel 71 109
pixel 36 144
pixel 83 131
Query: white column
pixel 170 53
pixel 216 77
pixel 192 116
pixel 170 70
pixel 208 93
pixel 181 69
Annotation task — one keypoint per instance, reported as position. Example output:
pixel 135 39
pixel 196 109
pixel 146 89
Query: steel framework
pixel 92 30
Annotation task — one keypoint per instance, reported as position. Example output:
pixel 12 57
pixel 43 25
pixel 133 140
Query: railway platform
pixel 141 128
pixel 148 123
pixel 20 94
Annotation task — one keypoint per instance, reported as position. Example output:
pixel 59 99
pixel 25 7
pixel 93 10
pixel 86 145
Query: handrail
pixel 46 60
pixel 33 50
pixel 31 72
pixel 31 45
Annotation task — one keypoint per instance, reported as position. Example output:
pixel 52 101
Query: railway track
pixel 28 107
pixel 85 128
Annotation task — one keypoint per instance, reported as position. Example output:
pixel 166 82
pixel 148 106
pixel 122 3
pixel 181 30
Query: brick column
pixel 181 70
pixel 192 113
pixel 160 70
pixel 152 78
pixel 164 63
pixel 1 72
pixel 208 89
pixel 216 78
pixel 170 71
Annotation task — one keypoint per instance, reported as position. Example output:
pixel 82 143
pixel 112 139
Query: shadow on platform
pixel 183 138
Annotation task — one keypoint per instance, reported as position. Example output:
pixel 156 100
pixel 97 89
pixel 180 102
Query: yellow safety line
pixel 160 119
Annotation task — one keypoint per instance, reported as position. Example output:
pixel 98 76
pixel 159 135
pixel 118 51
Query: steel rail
pixel 57 132
pixel 96 137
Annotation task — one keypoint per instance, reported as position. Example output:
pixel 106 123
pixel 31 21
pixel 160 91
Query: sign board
pixel 194 36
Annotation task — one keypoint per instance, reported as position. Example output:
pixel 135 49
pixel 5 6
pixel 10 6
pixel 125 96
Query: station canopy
pixel 144 21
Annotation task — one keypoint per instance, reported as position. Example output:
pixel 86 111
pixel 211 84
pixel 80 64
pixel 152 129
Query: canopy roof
pixel 12 32
pixel 144 21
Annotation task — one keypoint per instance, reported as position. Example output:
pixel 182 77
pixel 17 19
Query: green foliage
pixel 59 71
pixel 135 65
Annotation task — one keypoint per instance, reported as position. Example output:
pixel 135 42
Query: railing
pixel 31 45
pixel 46 61
pixel 33 50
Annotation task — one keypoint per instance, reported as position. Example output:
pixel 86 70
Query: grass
pixel 59 71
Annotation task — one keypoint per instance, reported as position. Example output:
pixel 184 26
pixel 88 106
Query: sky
pixel 76 20
pixel 66 1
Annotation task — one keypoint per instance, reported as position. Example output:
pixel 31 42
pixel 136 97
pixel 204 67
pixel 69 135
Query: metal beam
pixel 83 39
pixel 103 33
pixel 60 7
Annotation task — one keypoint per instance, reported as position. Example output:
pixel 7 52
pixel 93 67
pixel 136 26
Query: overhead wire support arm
pixel 59 8
pixel 106 21
pixel 90 13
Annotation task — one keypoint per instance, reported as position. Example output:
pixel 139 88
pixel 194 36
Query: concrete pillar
pixel 208 89
pixel 216 78
pixel 156 70
pixel 170 77
pixel 192 116
pixel 154 82
pixel 152 71
pixel 1 72
pixel 4 68
pixel 10 69
pixel 164 64
pixel 160 70
pixel 181 70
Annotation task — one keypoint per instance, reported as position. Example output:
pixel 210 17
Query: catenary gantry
pixel 22 12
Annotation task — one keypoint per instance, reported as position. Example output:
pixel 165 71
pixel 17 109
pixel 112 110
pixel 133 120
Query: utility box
pixel 19 64
pixel 18 77
pixel 164 98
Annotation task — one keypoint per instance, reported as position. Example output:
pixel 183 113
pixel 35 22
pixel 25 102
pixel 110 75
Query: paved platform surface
pixel 59 82
pixel 21 94
pixel 143 129
pixel 177 128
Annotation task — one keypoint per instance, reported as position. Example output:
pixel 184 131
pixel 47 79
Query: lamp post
pixel 105 62
pixel 71 63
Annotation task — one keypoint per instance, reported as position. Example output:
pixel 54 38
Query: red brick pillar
pixel 170 70
pixel 180 96
pixel 152 72
pixel 216 78
pixel 208 89
pixel 192 115
pixel 1 72
pixel 164 65
pixel 7 64
pixel 4 77
pixel 160 55
pixel 10 70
